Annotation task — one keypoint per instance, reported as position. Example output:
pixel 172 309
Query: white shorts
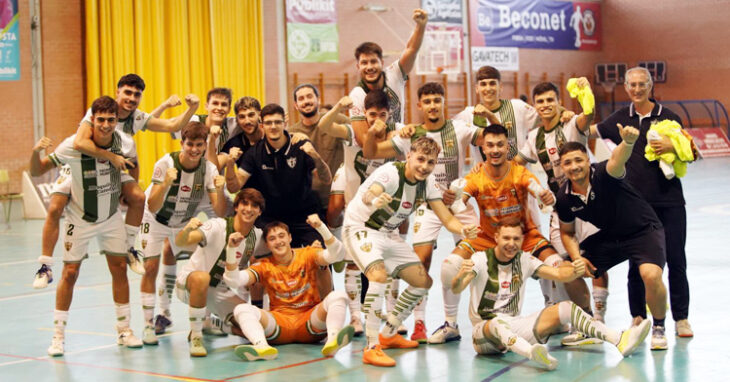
pixel 110 235
pixel 427 226
pixel 583 229
pixel 522 326
pixel 339 182
pixel 153 234
pixel 368 246
pixel 62 184
pixel 220 300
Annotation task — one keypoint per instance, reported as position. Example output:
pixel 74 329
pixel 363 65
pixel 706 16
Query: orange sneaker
pixel 375 356
pixel 419 332
pixel 396 342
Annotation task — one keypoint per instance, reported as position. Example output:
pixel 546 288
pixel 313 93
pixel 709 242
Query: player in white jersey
pixel 497 278
pixel 131 120
pixel 454 138
pixel 92 212
pixel 386 198
pixel 543 146
pixel 180 181
pixel 200 281
pixel 391 80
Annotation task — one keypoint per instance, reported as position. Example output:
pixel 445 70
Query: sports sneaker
pixel 43 277
pixel 56 348
pixel 344 336
pixel 212 330
pixel 683 328
pixel 357 324
pixel 396 342
pixel 658 339
pixel 402 330
pixel 196 347
pixel 251 353
pixel 540 355
pixel 445 333
pixel 148 336
pixel 376 357
pixel 632 337
pixel 135 263
pixel 576 338
pixel 127 338
pixel 162 323
pixel 419 332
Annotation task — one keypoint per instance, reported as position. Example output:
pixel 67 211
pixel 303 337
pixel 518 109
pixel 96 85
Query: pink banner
pixel 311 11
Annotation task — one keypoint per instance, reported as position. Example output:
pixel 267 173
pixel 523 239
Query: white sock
pixel 148 307
pixel 197 316
pixel 132 232
pixel 600 298
pixel 335 304
pixel 60 318
pixel 373 303
pixel 449 269
pixel 419 312
pixel 165 286
pixel 391 294
pixel 249 319
pixel 353 285
pixel 568 312
pixel 123 315
pixel 509 339
pixel 403 308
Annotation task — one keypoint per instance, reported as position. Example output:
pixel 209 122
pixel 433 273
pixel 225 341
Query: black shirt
pixel 612 205
pixel 242 142
pixel 284 177
pixel 645 176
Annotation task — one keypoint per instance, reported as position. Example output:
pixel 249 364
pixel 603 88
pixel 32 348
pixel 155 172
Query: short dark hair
pixel 194 130
pixel 430 88
pixel 544 87
pixel 314 89
pixel 270 109
pixel 511 221
pixel 247 103
pixel 275 224
pixel 376 98
pixel 104 104
pixel 252 196
pixel 488 72
pixel 572 146
pixel 495 129
pixel 368 47
pixel 225 92
pixel 132 80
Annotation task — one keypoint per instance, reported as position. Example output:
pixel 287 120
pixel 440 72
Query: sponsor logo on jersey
pixel 407 204
pixel 185 188
pixel 144 244
pixel 67 245
pixel 197 187
pixel 291 162
pixel 265 167
pixel 158 173
pixel 505 284
pixel 552 150
pixel 90 174
pixel 416 227
pixel 576 208
pixel 449 143
pixel 508 125
pixel 511 341
pixel 366 247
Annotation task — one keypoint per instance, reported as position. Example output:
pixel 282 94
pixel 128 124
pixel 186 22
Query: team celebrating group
pixel 286 205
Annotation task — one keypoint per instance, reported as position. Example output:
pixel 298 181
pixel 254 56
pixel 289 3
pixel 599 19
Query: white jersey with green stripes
pixel 453 138
pixel 187 191
pixel 96 184
pixel 394 89
pixel 229 129
pixel 406 198
pixel 499 287
pixel 357 168
pixel 210 256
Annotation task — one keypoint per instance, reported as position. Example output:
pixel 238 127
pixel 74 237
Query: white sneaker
pixel 683 328
pixel 210 328
pixel 445 333
pixel 148 336
pixel 196 347
pixel 357 324
pixel 56 348
pixel 576 338
pixel 540 355
pixel 43 277
pixel 135 263
pixel 632 337
pixel 658 338
pixel 127 338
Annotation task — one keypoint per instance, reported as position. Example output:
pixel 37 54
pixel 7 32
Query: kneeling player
pixel 496 278
pixel 297 314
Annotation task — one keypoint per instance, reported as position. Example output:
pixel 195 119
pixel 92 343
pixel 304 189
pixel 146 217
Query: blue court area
pixel 92 353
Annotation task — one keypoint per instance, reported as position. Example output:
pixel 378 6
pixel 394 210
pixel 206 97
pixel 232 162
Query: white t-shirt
pixel 395 83
pixel 406 198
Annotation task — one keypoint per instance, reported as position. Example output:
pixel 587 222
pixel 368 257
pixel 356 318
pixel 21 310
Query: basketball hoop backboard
pixel 611 72
pixel 658 70
pixel 441 52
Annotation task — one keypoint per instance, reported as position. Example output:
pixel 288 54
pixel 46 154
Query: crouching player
pixel 496 278
pixel 288 276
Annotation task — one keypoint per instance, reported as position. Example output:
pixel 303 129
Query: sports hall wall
pixel 689 35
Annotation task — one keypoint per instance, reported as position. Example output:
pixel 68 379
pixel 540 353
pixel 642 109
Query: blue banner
pixel 545 24
pixel 9 41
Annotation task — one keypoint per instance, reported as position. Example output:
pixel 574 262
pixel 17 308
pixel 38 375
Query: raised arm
pixel 158 191
pixel 235 179
pixel 38 165
pixel 218 198
pixel 322 169
pixel 234 278
pixel 171 102
pixel 616 166
pixel 175 124
pixel 451 222
pixel 211 151
pixel 373 147
pixel 327 122
pixel 564 273
pixel 190 235
pixel 408 57
pixel 335 251
pixel 84 144
pixel 464 277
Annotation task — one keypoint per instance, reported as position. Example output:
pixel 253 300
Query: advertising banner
pixel 311 31
pixel 9 41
